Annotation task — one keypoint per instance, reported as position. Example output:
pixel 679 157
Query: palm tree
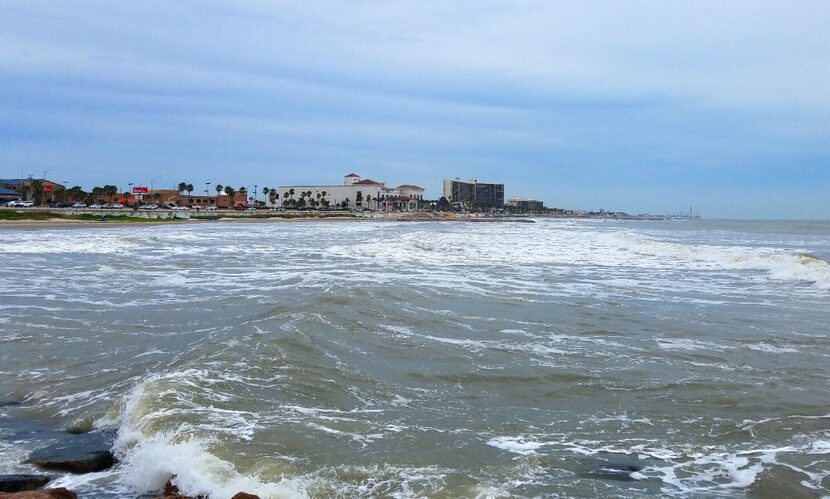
pixel 219 188
pixel 37 191
pixel 266 191
pixel 182 187
pixel 230 191
pixel 368 201
pixel 189 189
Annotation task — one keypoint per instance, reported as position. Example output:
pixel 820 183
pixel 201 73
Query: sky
pixel 645 107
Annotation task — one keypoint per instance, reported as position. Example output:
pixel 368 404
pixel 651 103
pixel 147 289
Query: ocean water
pixel 562 358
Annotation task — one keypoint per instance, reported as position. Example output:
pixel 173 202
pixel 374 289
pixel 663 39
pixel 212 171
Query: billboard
pixel 140 190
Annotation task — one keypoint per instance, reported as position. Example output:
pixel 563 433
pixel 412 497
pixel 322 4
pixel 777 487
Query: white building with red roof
pixel 354 192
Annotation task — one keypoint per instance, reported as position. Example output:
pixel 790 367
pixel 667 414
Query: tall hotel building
pixel 474 193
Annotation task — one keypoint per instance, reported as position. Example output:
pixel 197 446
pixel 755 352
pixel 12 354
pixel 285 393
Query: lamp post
pixel 130 187
pixel 207 191
pixel 255 188
pixel 152 181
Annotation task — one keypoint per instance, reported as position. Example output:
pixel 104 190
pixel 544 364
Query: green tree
pixel 97 194
pixel 190 189
pixel 75 193
pixel 110 191
pixel 182 187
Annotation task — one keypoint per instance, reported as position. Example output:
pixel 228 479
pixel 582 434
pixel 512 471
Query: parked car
pixel 117 206
pixel 20 204
pixel 148 207
pixel 239 207
pixel 79 205
pixel 180 208
pixel 211 208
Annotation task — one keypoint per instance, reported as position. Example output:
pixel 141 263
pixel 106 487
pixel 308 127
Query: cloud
pixel 513 90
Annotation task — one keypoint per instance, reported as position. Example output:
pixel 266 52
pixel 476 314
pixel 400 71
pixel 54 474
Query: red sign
pixel 47 188
pixel 140 190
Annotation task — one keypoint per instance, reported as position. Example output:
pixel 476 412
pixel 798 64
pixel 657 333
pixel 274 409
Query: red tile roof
pixel 352 175
pixel 410 186
pixel 367 181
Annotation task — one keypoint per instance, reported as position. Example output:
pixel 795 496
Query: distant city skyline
pixel 630 106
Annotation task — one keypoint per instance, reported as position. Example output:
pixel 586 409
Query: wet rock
pixel 171 491
pixel 82 425
pixel 7 403
pixel 613 469
pixel 244 495
pixel 59 493
pixel 85 453
pixel 20 483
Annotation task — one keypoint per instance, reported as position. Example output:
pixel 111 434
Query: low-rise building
pixel 24 187
pixel 7 195
pixel 172 196
pixel 526 205
pixel 354 192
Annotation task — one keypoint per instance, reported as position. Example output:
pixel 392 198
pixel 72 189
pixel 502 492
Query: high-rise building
pixel 474 193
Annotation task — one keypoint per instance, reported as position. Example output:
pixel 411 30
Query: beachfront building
pixel 175 197
pixel 472 193
pixel 526 205
pixel 25 188
pixel 7 195
pixel 354 192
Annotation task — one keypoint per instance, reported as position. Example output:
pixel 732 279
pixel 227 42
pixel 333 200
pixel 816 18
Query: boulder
pixel 20 483
pixel 85 453
pixel 619 469
pixel 172 492
pixel 60 493
pixel 244 495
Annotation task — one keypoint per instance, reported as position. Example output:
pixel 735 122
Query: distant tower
pixel 690 212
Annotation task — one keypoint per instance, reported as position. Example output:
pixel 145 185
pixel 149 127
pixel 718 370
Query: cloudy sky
pixel 636 106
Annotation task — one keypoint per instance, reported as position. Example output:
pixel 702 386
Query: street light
pixel 152 182
pixel 255 188
pixel 207 191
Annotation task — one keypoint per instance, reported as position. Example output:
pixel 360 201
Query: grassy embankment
pixel 46 216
